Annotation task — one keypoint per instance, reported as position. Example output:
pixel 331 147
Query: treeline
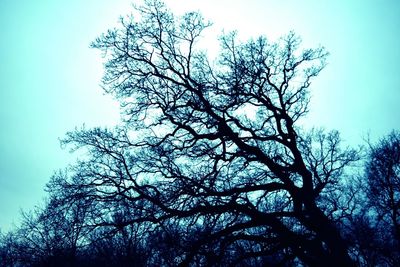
pixel 70 230
pixel 60 236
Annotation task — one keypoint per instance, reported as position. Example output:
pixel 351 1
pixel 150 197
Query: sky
pixel 50 78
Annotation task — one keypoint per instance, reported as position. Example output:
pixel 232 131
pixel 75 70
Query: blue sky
pixel 49 78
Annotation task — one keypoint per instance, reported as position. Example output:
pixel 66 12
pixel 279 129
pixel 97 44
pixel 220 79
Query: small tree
pixel 213 145
pixel 383 179
pixel 50 235
pixel 8 250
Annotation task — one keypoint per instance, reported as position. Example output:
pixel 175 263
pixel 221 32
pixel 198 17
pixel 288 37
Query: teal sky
pixel 49 78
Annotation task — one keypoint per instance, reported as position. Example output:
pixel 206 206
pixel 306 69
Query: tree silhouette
pixel 383 174
pixel 383 189
pixel 48 236
pixel 210 166
pixel 213 145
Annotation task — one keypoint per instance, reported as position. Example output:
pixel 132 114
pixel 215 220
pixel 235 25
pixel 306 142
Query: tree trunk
pixel 332 243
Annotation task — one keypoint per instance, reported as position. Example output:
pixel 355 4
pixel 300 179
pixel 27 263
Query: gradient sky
pixel 49 78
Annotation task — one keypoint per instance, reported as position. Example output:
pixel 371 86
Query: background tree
pixel 50 235
pixel 382 172
pixel 369 222
pixel 383 175
pixel 8 250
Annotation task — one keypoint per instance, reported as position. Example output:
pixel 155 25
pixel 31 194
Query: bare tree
pixel 382 172
pixel 8 250
pixel 50 235
pixel 213 145
pixel 383 176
